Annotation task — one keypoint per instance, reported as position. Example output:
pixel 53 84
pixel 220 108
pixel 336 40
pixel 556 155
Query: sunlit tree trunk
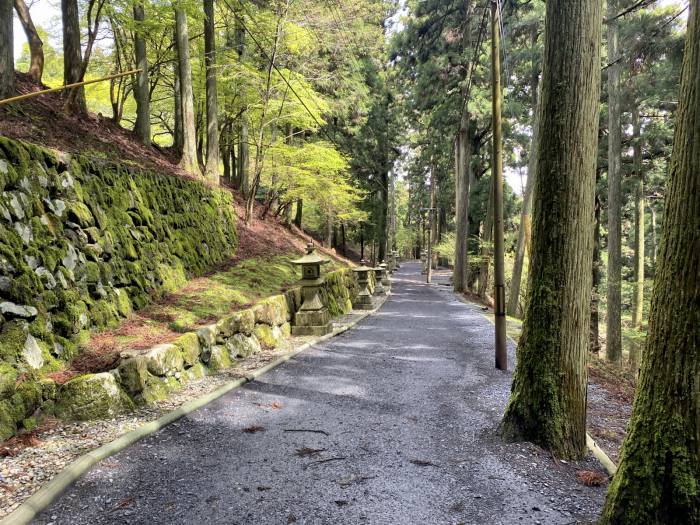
pixel 141 88
pixel 243 168
pixel 211 169
pixel 614 319
pixel 36 46
pixel 463 176
pixel 298 213
pixel 654 244
pixel 548 399
pixel 178 138
pixel 7 59
pixel 188 160
pixel 72 55
pixel 595 298
pixel 486 247
pixel 640 205
pixel 658 478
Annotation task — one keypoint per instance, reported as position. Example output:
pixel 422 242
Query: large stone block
pixel 272 311
pixel 92 396
pixel 239 322
pixel 241 346
pixel 165 359
pixel 189 347
pixel 133 374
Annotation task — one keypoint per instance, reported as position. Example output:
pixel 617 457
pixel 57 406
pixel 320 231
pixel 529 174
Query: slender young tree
pixel 243 159
pixel 614 319
pixel 658 479
pixel 141 87
pixel 462 187
pixel 36 46
pixel 188 160
pixel 7 59
pixel 639 205
pixel 548 398
pixel 211 169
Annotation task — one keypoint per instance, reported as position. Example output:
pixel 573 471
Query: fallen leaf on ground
pixel 424 463
pixel 305 452
pixel 591 478
pixel 253 429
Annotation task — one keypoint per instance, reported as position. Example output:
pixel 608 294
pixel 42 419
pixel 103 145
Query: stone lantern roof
pixel 311 257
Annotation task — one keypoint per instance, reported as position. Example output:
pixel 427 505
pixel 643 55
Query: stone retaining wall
pixel 147 376
pixel 82 243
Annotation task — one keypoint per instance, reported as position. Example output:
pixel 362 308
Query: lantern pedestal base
pixel 312 322
pixel 363 302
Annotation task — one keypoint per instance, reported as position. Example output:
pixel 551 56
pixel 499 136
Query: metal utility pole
pixel 497 174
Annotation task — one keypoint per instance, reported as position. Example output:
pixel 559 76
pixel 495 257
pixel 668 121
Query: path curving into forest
pixel 392 422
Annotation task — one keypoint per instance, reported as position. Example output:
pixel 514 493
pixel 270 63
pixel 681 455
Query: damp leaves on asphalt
pixel 254 429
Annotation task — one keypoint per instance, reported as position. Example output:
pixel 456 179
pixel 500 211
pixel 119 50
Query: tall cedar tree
pixel 188 160
pixel 211 170
pixel 72 55
pixel 141 88
pixel 658 480
pixel 614 323
pixel 7 65
pixel 548 399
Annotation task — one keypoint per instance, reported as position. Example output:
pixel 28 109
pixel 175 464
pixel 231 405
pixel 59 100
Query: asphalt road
pixel 393 422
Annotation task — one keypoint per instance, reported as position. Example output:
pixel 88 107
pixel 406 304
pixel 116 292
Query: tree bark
pixel 298 213
pixel 178 134
pixel 243 166
pixel 36 46
pixel 188 160
pixel 525 220
pixel 211 169
pixel 640 204
pixel 463 174
pixel 548 397
pixel 595 300
pixel 142 87
pixel 614 299
pixel 653 236
pixel 72 55
pixel 7 58
pixel 486 247
pixel 658 478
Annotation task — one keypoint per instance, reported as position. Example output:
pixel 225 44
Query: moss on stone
pixel 189 348
pixel 92 396
pixel 219 358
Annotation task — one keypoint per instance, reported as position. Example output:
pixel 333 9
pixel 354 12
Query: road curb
pixel 592 446
pixel 46 495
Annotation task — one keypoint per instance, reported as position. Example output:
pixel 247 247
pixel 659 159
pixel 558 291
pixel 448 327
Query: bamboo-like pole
pixel 497 174
pixel 19 98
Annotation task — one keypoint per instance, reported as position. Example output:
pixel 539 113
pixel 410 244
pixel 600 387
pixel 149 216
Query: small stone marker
pixel 397 264
pixel 379 276
pixel 385 276
pixel 424 261
pixel 313 317
pixel 363 301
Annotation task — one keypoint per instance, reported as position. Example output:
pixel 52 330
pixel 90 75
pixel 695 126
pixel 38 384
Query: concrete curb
pixel 42 498
pixel 597 452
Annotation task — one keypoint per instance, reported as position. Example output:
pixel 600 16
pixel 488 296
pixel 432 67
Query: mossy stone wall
pixel 82 243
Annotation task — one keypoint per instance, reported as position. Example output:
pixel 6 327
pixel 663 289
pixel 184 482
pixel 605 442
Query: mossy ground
pixel 200 302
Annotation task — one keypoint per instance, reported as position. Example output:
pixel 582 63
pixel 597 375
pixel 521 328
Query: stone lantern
pixel 395 254
pixel 379 278
pixel 424 261
pixel 385 276
pixel 313 317
pixel 363 301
